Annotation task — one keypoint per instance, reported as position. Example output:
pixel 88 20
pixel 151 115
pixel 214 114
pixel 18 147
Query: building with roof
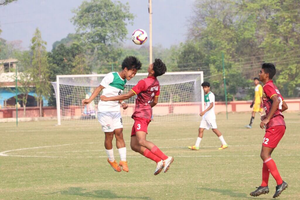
pixel 8 83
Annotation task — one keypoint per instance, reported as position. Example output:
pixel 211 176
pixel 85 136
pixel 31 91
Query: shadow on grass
pixel 228 193
pixel 101 194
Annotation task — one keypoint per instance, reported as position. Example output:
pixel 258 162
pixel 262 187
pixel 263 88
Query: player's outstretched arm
pixel 93 96
pixel 119 97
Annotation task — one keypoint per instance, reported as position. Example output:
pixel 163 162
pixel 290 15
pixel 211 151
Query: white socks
pixel 197 144
pixel 222 140
pixel 122 152
pixel 110 155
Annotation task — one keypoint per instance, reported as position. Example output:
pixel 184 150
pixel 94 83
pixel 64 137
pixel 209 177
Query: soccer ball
pixel 139 36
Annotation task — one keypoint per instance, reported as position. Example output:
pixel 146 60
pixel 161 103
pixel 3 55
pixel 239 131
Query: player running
pixel 257 101
pixel 275 127
pixel 109 114
pixel 147 91
pixel 208 118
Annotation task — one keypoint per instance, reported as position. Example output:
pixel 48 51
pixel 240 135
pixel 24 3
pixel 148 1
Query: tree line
pixel 246 32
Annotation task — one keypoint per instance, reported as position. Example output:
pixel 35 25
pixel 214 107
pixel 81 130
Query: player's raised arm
pixel 119 97
pixel 93 96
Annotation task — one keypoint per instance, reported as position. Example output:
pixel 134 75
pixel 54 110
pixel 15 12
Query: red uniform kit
pixel 146 90
pixel 275 129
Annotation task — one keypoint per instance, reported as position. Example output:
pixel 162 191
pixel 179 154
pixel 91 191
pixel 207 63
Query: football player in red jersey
pixel 274 124
pixel 147 91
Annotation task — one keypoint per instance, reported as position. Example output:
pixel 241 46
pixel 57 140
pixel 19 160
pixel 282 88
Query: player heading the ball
pixel 109 114
pixel 147 91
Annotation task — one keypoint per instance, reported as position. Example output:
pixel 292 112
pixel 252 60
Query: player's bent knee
pixel 142 142
pixel 134 148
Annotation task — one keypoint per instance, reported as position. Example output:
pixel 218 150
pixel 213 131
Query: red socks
pixel 265 175
pixel 150 155
pixel 155 154
pixel 273 170
pixel 158 153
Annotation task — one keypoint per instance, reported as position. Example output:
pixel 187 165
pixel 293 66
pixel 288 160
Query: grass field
pixel 42 161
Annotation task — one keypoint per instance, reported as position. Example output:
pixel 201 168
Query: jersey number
pixel 138 126
pixel 266 140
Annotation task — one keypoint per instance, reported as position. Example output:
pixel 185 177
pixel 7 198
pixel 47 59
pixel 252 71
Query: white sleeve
pixel 109 78
pixel 212 98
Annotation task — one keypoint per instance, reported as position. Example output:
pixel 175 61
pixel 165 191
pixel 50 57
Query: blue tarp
pixel 6 94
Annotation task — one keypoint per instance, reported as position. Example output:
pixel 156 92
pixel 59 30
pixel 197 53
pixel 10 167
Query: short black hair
pixel 205 84
pixel 255 78
pixel 270 69
pixel 131 62
pixel 159 67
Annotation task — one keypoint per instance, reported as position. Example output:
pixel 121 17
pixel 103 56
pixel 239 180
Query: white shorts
pixel 208 123
pixel 110 121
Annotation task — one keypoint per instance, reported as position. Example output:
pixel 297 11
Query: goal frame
pixel 58 77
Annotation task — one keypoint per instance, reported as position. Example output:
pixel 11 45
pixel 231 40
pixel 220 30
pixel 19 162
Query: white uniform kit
pixel 209 118
pixel 109 114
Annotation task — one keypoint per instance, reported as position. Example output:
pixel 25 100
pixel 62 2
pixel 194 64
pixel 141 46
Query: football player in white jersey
pixel 109 114
pixel 208 118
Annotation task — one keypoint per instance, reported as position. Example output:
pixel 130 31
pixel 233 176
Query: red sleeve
pixel 269 91
pixel 139 87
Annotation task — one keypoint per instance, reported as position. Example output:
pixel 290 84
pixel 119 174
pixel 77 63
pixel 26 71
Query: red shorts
pixel 273 136
pixel 140 124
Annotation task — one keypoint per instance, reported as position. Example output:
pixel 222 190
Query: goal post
pixel 181 95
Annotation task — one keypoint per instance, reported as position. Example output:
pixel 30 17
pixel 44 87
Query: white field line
pixel 6 153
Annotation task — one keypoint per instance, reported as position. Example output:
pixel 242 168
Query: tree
pixel 39 70
pixel 80 64
pixel 5 2
pixel 249 33
pixel 8 49
pixel 24 76
pixel 101 25
pixel 282 44
pixel 66 60
pixel 62 61
pixel 68 41
pixel 191 58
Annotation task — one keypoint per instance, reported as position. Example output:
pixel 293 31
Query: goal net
pixel 181 97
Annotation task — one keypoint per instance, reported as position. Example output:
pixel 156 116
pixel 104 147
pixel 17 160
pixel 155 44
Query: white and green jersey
pixel 209 98
pixel 113 86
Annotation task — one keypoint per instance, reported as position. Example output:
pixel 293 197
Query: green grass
pixel 69 162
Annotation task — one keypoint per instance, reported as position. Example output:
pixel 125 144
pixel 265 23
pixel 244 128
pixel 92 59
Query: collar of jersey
pixel 120 76
pixel 153 77
pixel 271 81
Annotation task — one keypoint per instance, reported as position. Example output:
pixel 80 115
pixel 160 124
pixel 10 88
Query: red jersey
pixel 269 91
pixel 146 89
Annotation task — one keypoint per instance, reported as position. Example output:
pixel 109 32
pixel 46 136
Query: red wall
pixel 160 109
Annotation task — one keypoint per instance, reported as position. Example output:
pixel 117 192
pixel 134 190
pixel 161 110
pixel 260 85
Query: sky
pixel 19 20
